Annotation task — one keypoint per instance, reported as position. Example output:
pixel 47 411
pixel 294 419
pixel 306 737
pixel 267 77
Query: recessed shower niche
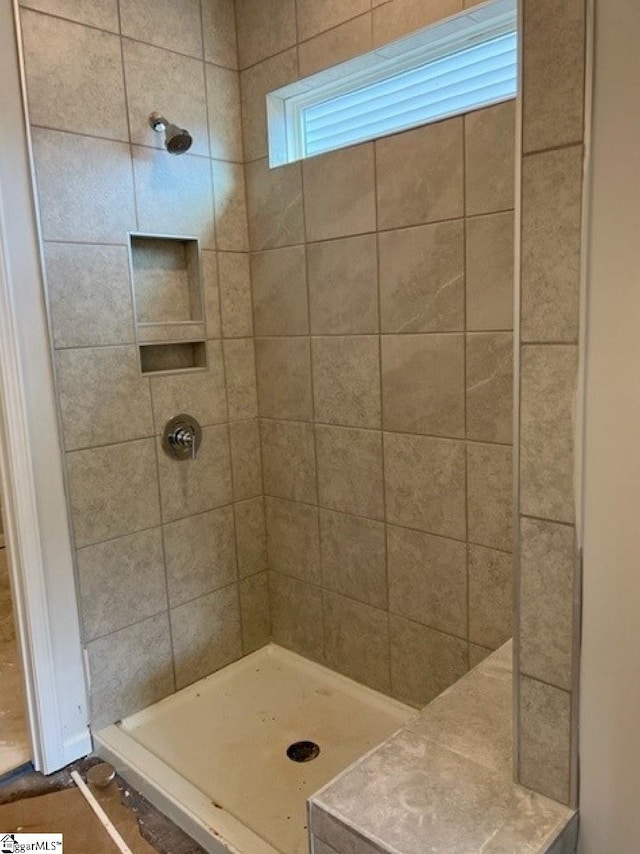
pixel 167 292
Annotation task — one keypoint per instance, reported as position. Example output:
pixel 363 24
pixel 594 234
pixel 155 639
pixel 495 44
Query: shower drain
pixel 303 751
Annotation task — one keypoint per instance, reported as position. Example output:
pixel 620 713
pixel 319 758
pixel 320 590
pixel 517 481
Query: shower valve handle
pixel 182 437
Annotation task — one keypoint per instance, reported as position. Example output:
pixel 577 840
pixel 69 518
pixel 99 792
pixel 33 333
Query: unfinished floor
pixel 14 739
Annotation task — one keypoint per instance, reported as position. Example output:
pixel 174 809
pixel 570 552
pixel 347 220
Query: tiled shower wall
pixel 170 555
pixel 555 90
pixel 382 283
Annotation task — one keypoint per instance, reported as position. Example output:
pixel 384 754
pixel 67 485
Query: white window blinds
pixel 463 63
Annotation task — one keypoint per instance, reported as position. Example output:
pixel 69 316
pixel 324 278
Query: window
pixel 463 63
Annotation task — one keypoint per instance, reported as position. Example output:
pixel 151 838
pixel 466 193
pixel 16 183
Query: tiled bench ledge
pixel 443 784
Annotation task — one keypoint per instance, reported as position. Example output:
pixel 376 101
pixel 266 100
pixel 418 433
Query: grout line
pixel 123 36
pixel 376 333
pixel 165 611
pixel 432 436
pixel 465 387
pixel 388 612
pixel 578 143
pixel 391 524
pixel 548 520
pixel 132 145
pixel 382 419
pixel 164 562
pixel 543 682
pixel 311 382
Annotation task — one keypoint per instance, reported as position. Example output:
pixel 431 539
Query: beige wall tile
pixel 193 486
pixel 234 278
pixel 350 470
pixel 255 84
pixel 400 17
pixel 102 396
pixel 490 495
pixel 490 159
pixel 553 66
pixel 423 662
pixel 174 194
pixel 288 460
pixel 89 294
pixel 121 582
pixel 230 202
pixel 316 16
pixel 425 483
pixel 423 384
pixel 251 537
pixel 350 39
pixel 343 285
pixel 162 23
pixel 130 670
pixel 293 540
pixel 223 105
pixel 113 490
pixel 357 640
pixel 339 194
pixel 274 199
pixel 254 612
pixel 551 243
pixel 490 386
pixel 211 293
pixel 206 635
pixel 246 466
pixel 354 557
pixel 201 394
pixel 422 278
pixel 219 32
pixel 296 615
pixel 546 601
pixel 279 282
pixel 408 163
pixel 346 380
pixel 200 552
pixel 170 84
pixel 265 27
pixel 85 188
pixel 284 378
pixel 74 77
pixel 240 367
pixel 490 281
pixel 545 737
pixel 428 579
pixel 548 387
pixel 94 13
pixel 490 597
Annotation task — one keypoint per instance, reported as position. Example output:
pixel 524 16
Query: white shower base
pixel 213 756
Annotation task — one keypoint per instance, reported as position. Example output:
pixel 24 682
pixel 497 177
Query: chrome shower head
pixel 177 140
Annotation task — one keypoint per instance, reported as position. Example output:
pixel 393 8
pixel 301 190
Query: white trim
pixel 31 472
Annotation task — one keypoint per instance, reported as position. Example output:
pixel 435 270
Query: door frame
pixel 37 519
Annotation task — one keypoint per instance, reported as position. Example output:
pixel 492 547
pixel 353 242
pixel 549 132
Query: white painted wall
pixel 610 690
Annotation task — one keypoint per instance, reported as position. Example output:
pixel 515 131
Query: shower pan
pixel 233 758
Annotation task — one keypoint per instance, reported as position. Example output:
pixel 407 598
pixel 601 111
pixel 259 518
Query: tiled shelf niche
pixel 167 294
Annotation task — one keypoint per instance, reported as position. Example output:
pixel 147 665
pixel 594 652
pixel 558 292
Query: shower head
pixel 177 140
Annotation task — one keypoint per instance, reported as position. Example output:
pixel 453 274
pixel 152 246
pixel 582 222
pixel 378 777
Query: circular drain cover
pixel 303 751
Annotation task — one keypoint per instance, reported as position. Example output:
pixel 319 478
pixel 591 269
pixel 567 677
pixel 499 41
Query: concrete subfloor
pixel 14 740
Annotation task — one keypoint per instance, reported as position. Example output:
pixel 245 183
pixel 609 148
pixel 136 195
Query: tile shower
pixel 356 404
pixel 352 498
